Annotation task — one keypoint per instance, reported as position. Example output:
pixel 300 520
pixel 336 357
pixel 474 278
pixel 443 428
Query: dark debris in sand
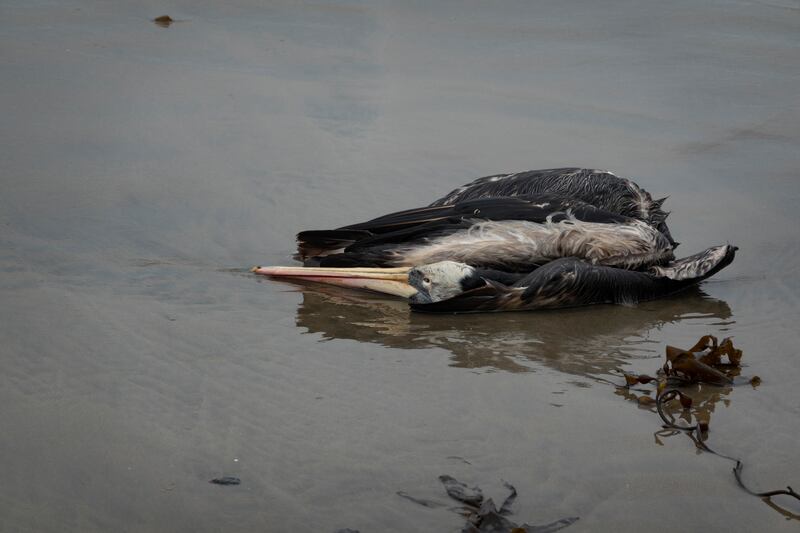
pixel 482 514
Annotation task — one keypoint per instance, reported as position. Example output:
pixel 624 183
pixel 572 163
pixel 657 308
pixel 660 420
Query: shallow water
pixel 146 168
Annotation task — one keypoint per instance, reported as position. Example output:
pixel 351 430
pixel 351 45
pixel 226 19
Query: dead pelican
pixel 532 240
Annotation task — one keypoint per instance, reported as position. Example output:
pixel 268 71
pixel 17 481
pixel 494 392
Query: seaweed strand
pixel 669 422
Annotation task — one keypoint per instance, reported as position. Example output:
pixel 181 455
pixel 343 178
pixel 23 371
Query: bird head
pixel 442 280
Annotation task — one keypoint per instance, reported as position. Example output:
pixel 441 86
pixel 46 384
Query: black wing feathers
pixel 597 187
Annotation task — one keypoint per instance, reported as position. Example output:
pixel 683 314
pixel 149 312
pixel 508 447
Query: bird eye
pixel 426 280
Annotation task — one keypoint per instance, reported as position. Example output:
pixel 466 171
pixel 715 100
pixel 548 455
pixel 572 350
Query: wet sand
pixel 146 168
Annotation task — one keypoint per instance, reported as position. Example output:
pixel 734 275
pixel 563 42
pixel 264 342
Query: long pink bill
pixel 392 281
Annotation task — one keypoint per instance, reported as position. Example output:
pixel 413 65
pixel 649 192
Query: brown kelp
pixel 708 362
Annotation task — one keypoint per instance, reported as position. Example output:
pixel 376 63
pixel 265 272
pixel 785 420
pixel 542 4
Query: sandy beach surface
pixel 144 169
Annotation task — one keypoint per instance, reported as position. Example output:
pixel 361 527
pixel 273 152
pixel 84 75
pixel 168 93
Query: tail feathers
pixel 699 266
pixel 319 243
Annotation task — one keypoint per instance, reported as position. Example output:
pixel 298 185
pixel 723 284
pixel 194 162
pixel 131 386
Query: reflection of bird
pixel 569 236
pixel 571 340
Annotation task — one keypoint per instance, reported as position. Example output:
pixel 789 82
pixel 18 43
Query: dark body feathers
pixel 571 282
